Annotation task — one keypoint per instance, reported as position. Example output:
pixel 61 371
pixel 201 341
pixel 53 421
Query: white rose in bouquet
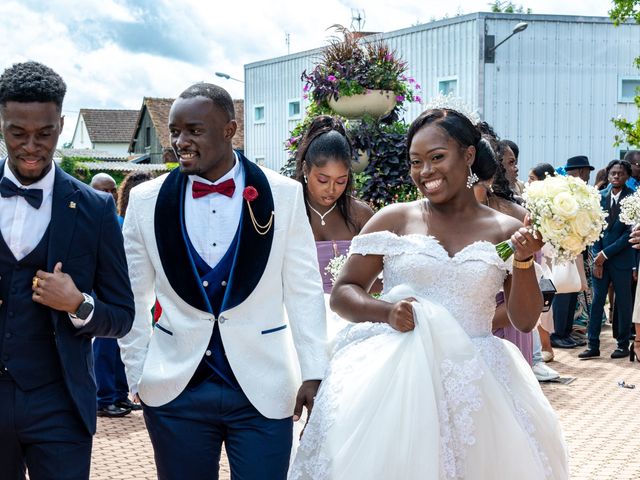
pixel 566 213
pixel 630 209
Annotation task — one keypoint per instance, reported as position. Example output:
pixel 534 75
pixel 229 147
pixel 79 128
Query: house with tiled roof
pixel 151 132
pixel 104 129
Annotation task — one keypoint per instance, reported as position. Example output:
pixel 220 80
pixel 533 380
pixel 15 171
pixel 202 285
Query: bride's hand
pixel 524 242
pixel 401 315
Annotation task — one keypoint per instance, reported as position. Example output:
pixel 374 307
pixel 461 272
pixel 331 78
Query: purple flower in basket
pixel 306 88
pixel 417 86
pixel 412 80
pixel 332 78
pixel 418 98
pixel 400 98
pixel 388 57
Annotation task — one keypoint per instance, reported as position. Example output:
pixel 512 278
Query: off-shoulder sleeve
pixel 378 243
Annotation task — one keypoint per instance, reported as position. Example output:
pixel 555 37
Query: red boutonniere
pixel 250 194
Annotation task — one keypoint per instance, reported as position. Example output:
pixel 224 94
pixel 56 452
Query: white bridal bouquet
pixel 566 212
pixel 630 209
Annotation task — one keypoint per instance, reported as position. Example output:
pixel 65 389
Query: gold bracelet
pixel 524 264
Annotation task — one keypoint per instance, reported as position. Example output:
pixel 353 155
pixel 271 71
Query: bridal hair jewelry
pixel 471 178
pixel 322 222
pixel 452 102
pixel 250 194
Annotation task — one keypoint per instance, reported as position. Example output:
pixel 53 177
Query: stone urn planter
pixel 359 165
pixel 376 103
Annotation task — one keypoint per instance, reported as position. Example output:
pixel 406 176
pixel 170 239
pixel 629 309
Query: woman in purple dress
pixel 323 166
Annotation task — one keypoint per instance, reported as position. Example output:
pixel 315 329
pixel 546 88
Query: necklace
pixel 322 222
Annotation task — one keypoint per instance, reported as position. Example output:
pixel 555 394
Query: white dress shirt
pixel 212 221
pixel 615 197
pixel 23 226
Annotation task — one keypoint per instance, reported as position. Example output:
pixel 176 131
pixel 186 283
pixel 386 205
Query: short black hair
pixel 218 95
pixel 31 82
pixel 631 155
pixel 623 163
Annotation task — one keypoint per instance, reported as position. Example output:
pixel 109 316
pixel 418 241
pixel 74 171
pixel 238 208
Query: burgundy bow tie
pixel 200 189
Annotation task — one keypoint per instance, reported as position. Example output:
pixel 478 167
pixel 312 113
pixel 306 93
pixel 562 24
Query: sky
pixel 112 53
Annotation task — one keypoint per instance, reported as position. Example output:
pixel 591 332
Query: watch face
pixel 84 311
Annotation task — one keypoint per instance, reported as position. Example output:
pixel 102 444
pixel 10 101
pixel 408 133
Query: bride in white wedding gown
pixel 418 387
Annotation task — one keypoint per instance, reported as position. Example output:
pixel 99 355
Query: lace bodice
pixel 465 284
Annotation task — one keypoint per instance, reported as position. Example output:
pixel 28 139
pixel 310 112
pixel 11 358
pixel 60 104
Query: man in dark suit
pixel 63 280
pixel 564 304
pixel 614 262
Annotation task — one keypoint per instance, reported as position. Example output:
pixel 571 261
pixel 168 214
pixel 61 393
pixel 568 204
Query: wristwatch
pixel 85 308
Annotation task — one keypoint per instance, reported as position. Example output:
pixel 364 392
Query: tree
pixel 622 11
pixel 504 6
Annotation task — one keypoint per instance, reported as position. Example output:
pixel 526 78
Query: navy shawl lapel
pixel 171 236
pixel 64 208
pixel 252 253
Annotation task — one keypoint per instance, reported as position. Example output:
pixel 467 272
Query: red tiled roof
pixel 109 126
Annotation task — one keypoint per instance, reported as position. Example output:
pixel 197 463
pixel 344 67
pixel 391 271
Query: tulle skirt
pixel 433 403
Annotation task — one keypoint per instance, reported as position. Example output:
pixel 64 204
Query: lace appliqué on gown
pixel 461 398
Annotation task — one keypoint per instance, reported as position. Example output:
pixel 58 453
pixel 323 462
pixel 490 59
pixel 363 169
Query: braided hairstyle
pixel 326 140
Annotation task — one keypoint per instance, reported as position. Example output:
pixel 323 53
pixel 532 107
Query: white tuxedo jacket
pixel 269 352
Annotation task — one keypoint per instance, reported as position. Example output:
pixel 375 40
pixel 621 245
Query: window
pixel 294 109
pixel 258 114
pixel 260 161
pixel 628 89
pixel 448 86
pixel 147 137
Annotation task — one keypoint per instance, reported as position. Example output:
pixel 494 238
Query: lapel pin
pixel 72 204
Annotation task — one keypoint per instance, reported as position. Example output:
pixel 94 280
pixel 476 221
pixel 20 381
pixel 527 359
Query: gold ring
pixel 35 282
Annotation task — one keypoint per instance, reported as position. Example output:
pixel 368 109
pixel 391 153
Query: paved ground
pixel 600 420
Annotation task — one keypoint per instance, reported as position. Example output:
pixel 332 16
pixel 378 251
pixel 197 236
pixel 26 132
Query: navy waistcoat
pixel 27 344
pixel 214 281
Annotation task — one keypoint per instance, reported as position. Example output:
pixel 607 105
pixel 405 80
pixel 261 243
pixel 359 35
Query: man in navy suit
pixel 614 263
pixel 63 280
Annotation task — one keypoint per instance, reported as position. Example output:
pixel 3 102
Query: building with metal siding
pixel 552 88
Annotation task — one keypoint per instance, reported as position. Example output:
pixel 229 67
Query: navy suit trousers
pixel 187 436
pixel 41 431
pixel 621 279
pixel 564 310
pixel 110 377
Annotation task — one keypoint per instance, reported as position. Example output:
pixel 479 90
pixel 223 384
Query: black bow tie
pixel 33 196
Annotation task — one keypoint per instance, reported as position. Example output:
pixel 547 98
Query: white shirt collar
pixel 45 183
pixel 233 173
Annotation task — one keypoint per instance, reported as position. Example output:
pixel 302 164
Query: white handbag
pixel 566 277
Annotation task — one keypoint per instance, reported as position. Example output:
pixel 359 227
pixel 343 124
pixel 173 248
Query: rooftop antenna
pixel 287 39
pixel 358 19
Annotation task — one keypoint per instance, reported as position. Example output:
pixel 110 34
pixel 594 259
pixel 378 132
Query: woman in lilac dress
pixel 323 166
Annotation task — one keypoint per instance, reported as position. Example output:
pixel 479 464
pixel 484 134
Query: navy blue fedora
pixel 579 161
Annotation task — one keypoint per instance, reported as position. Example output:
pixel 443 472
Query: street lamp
pixel 227 76
pixel 489 42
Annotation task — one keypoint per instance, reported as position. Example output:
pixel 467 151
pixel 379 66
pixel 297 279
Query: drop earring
pixel 472 178
pixel 305 179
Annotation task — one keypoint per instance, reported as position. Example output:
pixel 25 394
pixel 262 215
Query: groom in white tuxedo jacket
pixel 224 246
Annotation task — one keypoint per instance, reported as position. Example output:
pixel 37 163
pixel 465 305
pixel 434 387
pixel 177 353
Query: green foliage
pixel 504 6
pixel 622 11
pixel 74 167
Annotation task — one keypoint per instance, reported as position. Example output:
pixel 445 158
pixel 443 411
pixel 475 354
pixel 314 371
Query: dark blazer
pixel 615 239
pixel 84 234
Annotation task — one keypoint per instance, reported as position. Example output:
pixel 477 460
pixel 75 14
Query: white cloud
pixel 112 53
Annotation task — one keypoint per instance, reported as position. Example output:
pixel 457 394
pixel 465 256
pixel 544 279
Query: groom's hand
pixel 56 290
pixel 306 396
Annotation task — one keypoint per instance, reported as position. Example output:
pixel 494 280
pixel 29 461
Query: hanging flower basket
pixel 377 103
pixel 359 165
